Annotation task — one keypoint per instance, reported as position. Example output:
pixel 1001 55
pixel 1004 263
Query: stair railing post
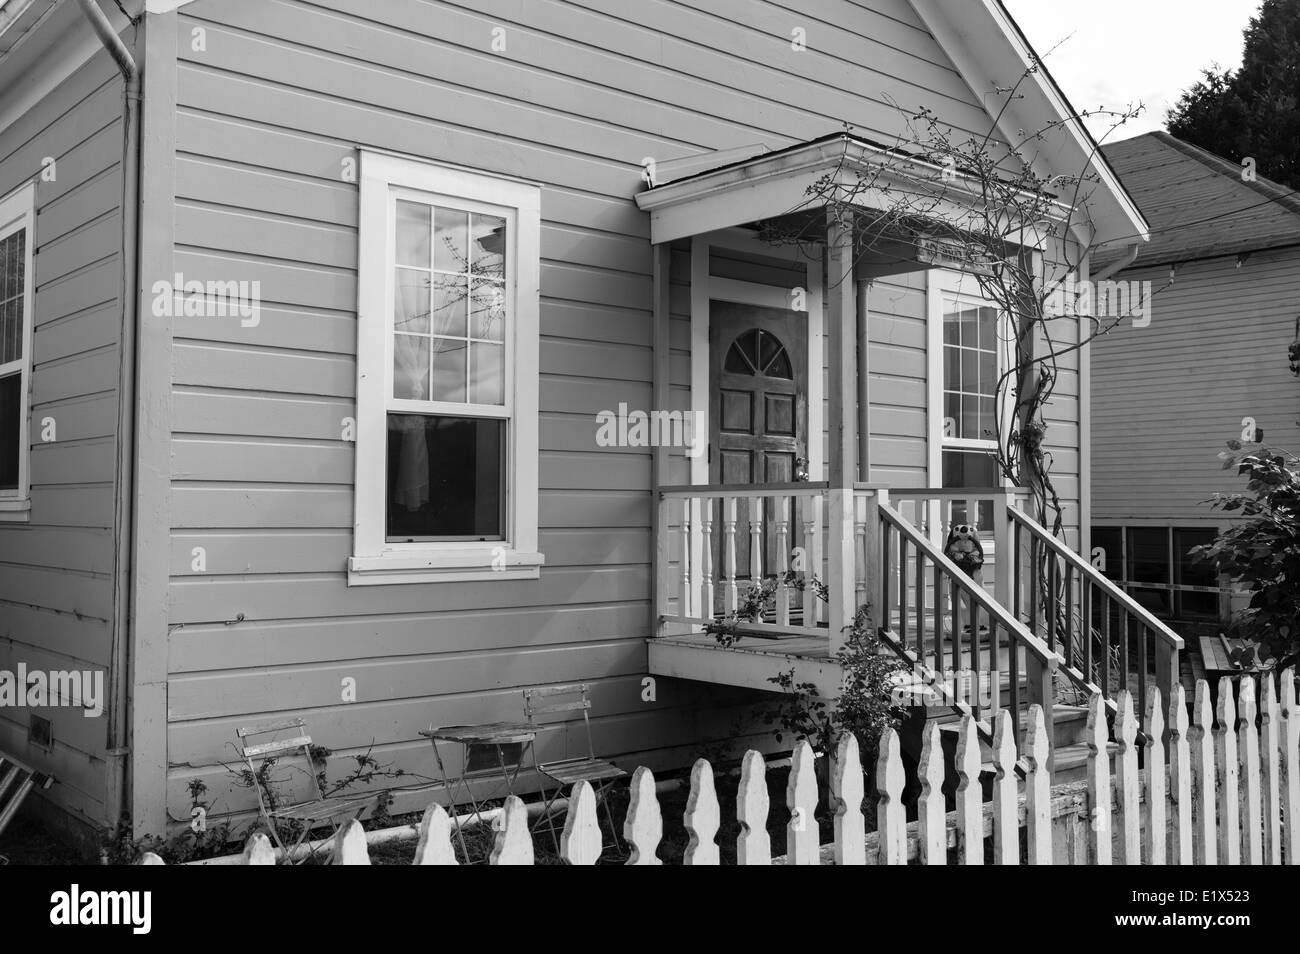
pixel 1166 672
pixel 1004 561
pixel 1041 693
pixel 840 567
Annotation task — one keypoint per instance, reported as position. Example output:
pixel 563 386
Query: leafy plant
pixel 863 705
pixel 197 841
pixel 1261 552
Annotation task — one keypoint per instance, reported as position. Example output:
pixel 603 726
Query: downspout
pixel 117 779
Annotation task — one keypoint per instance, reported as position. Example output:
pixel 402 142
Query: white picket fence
pixel 1219 788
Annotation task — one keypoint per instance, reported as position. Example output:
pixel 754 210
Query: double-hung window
pixel 17 213
pixel 969 348
pixel 446 485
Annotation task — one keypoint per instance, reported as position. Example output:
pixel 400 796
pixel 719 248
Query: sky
pixel 1117 52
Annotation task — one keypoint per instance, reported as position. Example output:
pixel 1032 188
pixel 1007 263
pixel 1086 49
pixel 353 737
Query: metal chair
pixel 303 816
pixel 599 773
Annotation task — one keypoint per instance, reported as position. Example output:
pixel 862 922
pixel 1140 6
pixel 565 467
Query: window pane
pixel 13 253
pixel 970 370
pixel 1192 605
pixel 987 423
pixel 969 469
pixel 988 329
pixel 489 255
pixel 1107 539
pixel 487 377
pixel 410 367
pixel 488 311
pixel 10 421
pixel 1148 555
pixel 413 234
pixel 411 302
pixel 988 373
pixel 449 304
pixel 449 230
pixel 448 370
pixel 970 418
pixel 445 477
pixel 952 368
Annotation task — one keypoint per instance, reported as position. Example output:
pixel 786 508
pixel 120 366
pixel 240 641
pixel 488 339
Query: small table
pixel 496 734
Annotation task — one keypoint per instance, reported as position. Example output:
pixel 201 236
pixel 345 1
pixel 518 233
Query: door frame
pixel 706 288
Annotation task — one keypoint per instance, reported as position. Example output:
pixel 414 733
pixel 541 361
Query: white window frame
pixel 383 178
pixel 943 285
pixel 18 213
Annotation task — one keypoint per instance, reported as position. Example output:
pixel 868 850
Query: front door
pixel 758 412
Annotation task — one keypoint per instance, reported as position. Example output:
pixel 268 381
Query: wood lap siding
pixel 56 584
pixel 1216 351
pixel 283 93
pixel 896 306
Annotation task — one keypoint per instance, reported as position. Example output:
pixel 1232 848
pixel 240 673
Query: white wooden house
pixel 1209 364
pixel 340 500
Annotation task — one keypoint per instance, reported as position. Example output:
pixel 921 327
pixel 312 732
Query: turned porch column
pixel 842 421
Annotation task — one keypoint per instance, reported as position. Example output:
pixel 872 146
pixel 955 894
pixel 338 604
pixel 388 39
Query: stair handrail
pixel 974 591
pixel 1099 579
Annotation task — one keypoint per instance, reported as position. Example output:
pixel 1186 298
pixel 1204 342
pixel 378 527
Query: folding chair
pixel 302 816
pixel 599 773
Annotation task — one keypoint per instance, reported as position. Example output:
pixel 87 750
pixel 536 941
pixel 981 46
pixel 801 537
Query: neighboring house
pixel 353 467
pixel 1211 366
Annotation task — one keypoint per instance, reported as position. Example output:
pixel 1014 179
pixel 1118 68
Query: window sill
pixel 444 565
pixel 15 511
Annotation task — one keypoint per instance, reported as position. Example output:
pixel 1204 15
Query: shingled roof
pixel 1197 204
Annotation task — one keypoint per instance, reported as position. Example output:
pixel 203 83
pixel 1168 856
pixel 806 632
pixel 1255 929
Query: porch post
pixel 659 470
pixel 842 461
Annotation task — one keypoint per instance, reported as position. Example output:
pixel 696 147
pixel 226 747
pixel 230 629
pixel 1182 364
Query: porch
pixel 1039 620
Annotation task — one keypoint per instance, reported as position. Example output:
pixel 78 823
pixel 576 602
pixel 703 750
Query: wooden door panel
pixel 758 383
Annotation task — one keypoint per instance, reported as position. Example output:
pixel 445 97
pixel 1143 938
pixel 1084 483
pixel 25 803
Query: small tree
pixel 1262 551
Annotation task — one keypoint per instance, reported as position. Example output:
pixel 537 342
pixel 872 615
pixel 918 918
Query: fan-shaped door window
pixel 759 352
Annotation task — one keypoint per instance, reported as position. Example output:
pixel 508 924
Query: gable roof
pixel 991 52
pixel 1197 203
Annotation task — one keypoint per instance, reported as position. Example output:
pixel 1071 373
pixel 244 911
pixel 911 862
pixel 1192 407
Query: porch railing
pixel 976 656
pixel 715 542
pixel 1110 641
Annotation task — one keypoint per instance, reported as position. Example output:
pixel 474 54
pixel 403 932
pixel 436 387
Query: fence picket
pixel 1271 782
pixel 970 812
pixel 1290 736
pixel 1006 814
pixel 1099 781
pixel 1126 779
pixel 643 828
pixel 1249 746
pixel 434 846
pixel 350 845
pixel 513 844
pixel 1252 825
pixel 1153 753
pixel 931 812
pixel 702 817
pixel 1038 789
pixel 1180 779
pixel 1205 847
pixel 802 840
pixel 1225 759
pixel 753 844
pixel 580 844
pixel 891 816
pixel 847 790
pixel 258 851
